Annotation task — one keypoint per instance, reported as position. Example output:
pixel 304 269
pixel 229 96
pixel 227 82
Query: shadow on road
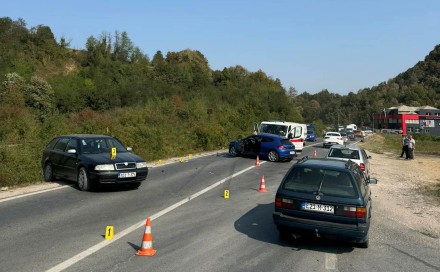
pixel 258 224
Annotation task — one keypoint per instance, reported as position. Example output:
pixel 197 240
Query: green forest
pixel 168 105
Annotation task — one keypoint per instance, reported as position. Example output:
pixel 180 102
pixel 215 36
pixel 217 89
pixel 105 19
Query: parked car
pixel 311 136
pixel 331 138
pixel 92 160
pixel 359 133
pixel 270 146
pixel 324 198
pixel 351 135
pixel 354 153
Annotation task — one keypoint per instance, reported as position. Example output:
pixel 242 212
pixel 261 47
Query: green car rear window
pixel 313 180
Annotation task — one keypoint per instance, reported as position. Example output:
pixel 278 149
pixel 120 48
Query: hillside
pixel 168 105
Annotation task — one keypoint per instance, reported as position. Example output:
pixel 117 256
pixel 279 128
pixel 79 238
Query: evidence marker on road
pixel 226 194
pixel 109 232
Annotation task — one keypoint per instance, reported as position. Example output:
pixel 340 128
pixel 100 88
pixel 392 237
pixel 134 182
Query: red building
pixel 409 120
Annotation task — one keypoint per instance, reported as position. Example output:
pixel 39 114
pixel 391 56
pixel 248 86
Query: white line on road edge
pixel 34 193
pixel 128 230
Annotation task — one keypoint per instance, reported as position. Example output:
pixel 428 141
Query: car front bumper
pixel 346 232
pixel 111 177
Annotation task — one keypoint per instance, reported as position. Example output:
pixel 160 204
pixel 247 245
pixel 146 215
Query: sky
pixel 339 45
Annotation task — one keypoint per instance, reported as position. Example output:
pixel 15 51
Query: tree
pixel 40 96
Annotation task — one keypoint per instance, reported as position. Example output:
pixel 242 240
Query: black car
pixel 92 160
pixel 273 147
pixel 324 198
pixel 351 135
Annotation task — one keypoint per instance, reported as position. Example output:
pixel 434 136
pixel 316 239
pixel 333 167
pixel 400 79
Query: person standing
pixel 405 142
pixel 411 147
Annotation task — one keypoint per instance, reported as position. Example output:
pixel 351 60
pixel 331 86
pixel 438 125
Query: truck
pixel 295 132
pixel 351 127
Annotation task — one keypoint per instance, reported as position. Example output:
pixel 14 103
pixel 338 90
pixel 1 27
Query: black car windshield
pixel 100 145
pixel 320 181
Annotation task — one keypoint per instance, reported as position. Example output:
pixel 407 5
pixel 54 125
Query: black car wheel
pixel 364 243
pixel 135 186
pixel 233 151
pixel 284 234
pixel 273 156
pixel 48 172
pixel 83 180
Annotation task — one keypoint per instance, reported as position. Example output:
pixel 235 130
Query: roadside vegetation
pixel 169 105
pixel 381 143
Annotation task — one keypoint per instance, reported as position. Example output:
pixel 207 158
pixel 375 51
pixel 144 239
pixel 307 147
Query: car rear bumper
pixel 346 232
pixel 287 156
pixel 332 143
pixel 111 177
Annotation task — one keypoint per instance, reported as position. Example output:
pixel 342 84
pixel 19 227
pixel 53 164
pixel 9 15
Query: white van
pixel 296 132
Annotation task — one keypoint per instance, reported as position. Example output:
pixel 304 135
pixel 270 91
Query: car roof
pixel 324 163
pixel 86 136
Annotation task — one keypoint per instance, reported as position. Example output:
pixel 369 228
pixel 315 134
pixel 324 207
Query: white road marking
pixel 132 228
pixel 34 193
pixel 330 261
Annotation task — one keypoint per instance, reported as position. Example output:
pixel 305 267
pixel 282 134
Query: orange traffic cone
pixel 262 186
pixel 257 163
pixel 147 242
pixel 314 153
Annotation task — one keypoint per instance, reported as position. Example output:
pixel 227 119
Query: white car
pixel 332 138
pixel 354 153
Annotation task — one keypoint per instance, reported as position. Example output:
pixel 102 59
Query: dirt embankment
pixel 411 189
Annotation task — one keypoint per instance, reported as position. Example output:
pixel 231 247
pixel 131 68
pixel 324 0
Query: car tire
pixel 48 172
pixel 83 180
pixel 365 243
pixel 284 234
pixel 273 156
pixel 233 152
pixel 135 186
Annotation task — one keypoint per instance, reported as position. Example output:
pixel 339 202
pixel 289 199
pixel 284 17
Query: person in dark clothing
pixel 405 142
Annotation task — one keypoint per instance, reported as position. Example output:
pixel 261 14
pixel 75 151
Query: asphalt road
pixel 194 227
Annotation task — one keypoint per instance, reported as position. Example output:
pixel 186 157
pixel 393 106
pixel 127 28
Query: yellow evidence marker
pixel 113 153
pixel 226 194
pixel 109 232
pixel 190 156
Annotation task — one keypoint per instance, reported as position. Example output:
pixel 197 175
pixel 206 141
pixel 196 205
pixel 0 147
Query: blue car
pixel 273 147
pixel 311 136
